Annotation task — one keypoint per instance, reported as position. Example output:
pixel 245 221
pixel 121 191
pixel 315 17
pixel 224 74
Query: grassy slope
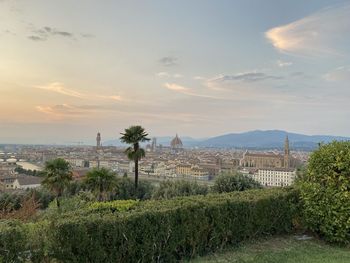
pixel 282 249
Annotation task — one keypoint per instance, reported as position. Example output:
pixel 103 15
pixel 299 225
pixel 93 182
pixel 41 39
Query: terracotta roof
pixel 28 180
pixel 266 155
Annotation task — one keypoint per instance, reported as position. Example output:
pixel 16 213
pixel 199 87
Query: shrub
pixel 325 192
pixel 13 201
pixel 125 189
pixel 174 229
pixel 113 206
pixel 13 240
pixel 234 182
pixel 169 189
pixel 151 231
pixel 67 204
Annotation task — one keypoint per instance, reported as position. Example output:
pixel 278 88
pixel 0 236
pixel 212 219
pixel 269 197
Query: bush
pixel 169 189
pixel 67 204
pixel 226 183
pixel 13 201
pixel 113 206
pixel 125 189
pixel 21 242
pixel 12 241
pixel 325 192
pixel 151 231
pixel 171 230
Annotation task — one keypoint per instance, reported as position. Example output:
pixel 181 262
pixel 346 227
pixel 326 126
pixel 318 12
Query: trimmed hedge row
pixel 170 230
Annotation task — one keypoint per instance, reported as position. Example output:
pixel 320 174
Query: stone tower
pixel 98 140
pixel 286 153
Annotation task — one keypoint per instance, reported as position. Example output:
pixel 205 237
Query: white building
pixel 161 169
pixel 275 176
pixel 20 182
pixel 27 182
pixel 75 162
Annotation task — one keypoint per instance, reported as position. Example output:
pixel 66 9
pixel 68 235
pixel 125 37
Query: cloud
pixel 112 97
pixel 168 75
pixel 44 33
pixel 47 32
pixel 85 35
pixel 176 87
pixel 244 77
pixel 190 92
pixel 36 38
pixel 163 74
pixel 283 64
pixel 58 87
pixel 322 33
pixel 338 74
pixel 168 61
pixel 61 110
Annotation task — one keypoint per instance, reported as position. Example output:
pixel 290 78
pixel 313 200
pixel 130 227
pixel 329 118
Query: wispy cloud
pixel 169 75
pixel 168 61
pixel 283 64
pixel 244 77
pixel 47 32
pixel 44 33
pixel 60 88
pixel 338 74
pixel 176 87
pixel 112 97
pixel 190 92
pixel 318 34
pixel 61 110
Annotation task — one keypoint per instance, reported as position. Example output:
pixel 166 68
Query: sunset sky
pixel 69 69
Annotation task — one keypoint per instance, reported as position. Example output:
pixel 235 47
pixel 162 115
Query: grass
pixel 281 249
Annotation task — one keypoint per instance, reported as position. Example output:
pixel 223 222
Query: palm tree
pixel 134 135
pixel 57 176
pixel 101 181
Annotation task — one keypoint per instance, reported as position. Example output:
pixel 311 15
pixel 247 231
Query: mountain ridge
pixel 257 139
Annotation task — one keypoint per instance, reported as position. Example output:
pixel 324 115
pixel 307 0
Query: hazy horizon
pixel 69 69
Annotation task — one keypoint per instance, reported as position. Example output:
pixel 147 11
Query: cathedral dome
pixel 176 142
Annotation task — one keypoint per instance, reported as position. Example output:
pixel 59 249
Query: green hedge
pixel 170 230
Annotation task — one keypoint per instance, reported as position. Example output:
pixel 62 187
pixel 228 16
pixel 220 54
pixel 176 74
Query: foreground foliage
pixel 170 189
pixel 57 176
pixel 325 191
pixel 101 181
pixel 151 231
pixel 230 182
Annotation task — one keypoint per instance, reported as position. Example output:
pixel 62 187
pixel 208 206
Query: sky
pixel 69 69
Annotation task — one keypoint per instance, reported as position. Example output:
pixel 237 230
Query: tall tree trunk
pixel 58 201
pixel 136 173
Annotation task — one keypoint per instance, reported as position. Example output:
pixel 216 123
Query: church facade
pixel 261 160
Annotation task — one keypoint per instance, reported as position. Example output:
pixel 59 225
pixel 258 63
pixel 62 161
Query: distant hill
pixel 268 139
pixel 165 141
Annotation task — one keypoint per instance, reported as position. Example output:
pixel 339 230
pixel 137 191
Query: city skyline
pixel 198 68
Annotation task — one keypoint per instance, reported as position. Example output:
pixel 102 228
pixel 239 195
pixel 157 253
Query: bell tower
pixel 286 153
pixel 98 140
